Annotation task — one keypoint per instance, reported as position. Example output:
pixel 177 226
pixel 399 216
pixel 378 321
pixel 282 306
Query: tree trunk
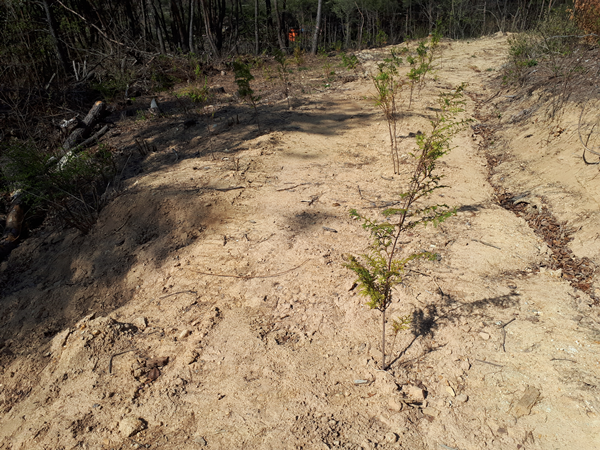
pixel 315 41
pixel 191 31
pixel 163 25
pixel 256 45
pixel 280 38
pixel 144 26
pixel 153 12
pixel 360 29
pixel 177 27
pixel 52 27
pixel 209 35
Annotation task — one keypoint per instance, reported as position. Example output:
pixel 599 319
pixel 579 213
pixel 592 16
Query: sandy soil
pixel 223 252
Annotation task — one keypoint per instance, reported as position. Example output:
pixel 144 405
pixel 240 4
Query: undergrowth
pixel 72 188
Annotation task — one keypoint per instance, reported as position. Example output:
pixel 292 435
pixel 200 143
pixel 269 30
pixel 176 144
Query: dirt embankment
pixel 208 308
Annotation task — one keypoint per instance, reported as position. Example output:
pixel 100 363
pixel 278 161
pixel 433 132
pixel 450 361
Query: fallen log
pixel 81 133
pixel 95 138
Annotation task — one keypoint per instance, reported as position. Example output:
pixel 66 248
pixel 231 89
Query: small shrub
pixel 587 16
pixel 243 77
pixel 71 186
pixel 523 51
pixel 388 87
pixel 349 61
pixel 141 115
pixel 283 72
pixel 112 88
pixel 328 72
pixel 381 38
pixel 197 94
pixel 299 56
pixel 162 81
pixel 422 64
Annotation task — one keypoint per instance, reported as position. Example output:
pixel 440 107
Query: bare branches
pixel 586 146
pixel 90 24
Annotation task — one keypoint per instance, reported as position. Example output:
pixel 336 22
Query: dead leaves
pixel 153 374
pixel 153 365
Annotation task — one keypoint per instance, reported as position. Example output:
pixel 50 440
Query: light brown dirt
pixel 224 253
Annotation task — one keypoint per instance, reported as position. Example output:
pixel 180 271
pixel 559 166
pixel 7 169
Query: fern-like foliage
pixel 382 267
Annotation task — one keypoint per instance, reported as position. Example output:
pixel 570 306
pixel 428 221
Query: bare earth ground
pixel 224 253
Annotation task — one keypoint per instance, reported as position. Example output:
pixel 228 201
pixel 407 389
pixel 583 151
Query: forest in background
pixel 46 43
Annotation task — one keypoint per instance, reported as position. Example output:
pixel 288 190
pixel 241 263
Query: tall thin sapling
pixel 388 87
pixel 383 266
pixel 243 77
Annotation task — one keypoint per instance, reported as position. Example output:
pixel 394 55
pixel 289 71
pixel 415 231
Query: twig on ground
pixel 585 146
pixel 291 187
pixel 115 355
pixel 486 243
pixel 491 98
pixel 504 333
pixel 312 200
pixel 446 447
pixel 563 359
pixel 124 223
pixel 250 277
pixel 413 270
pixel 490 363
pixel 233 188
pixel 439 287
pixel 177 293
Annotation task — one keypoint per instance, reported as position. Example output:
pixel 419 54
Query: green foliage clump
pixel 422 64
pixel 113 87
pixel 328 73
pixel 71 186
pixel 523 54
pixel 382 268
pixel 197 94
pixel 349 61
pixel 552 45
pixel 381 38
pixel 299 56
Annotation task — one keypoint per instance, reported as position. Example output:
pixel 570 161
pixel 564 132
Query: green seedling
pixel 349 61
pixel 388 87
pixel 383 266
pixel 283 72
pixel 422 64
pixel 243 77
pixel 299 56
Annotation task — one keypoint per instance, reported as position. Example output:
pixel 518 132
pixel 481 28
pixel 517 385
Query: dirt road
pixel 224 253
